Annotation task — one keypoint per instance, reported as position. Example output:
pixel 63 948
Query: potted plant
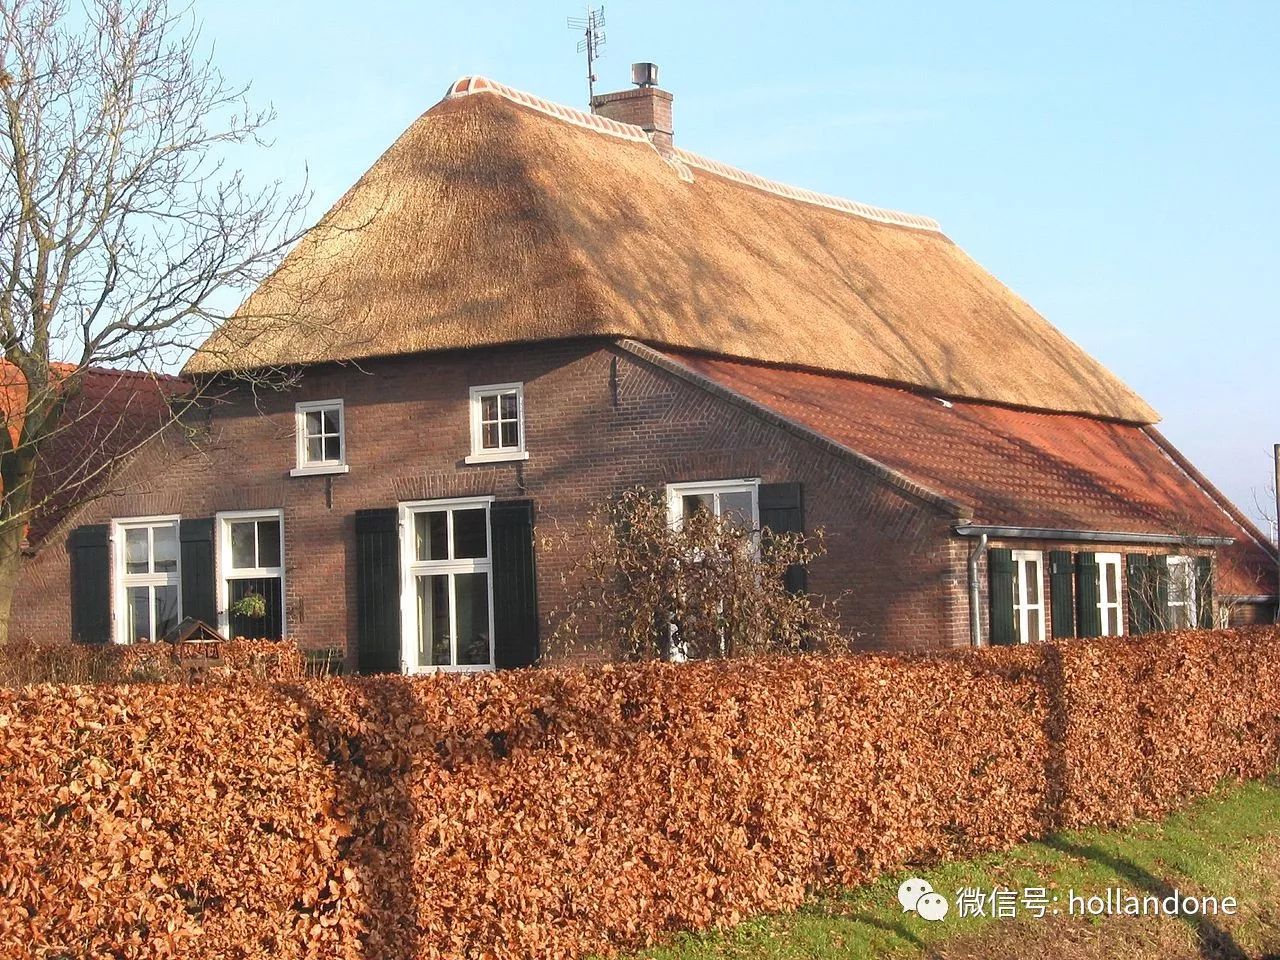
pixel 252 606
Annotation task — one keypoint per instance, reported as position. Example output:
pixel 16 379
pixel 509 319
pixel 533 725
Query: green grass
pixel 1226 845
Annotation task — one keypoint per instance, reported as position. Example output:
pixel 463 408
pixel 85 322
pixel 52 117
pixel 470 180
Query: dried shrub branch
pixel 643 588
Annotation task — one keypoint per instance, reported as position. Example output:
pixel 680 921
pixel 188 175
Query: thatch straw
pixel 491 221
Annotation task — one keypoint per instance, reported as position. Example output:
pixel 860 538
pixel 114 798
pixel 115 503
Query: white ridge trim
pixel 681 160
pixel 864 210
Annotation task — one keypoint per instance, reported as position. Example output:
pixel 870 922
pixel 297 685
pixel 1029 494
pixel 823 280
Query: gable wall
pixel 899 576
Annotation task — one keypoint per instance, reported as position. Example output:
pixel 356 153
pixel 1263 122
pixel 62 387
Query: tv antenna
pixel 592 42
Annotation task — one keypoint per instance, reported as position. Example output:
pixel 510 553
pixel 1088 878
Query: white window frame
pixel 1110 609
pixel 677 491
pixel 478 452
pixel 1022 609
pixel 225 572
pixel 1191 606
pixel 121 581
pixel 306 468
pixel 411 568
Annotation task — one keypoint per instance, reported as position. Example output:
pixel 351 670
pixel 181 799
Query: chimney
pixel 647 106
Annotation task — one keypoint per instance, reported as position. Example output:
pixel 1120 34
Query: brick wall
pixel 598 420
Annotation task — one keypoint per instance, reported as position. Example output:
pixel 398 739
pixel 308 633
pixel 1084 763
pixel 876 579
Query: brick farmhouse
pixel 522 310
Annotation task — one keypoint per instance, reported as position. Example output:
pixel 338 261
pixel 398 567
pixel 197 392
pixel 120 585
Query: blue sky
pixel 1114 163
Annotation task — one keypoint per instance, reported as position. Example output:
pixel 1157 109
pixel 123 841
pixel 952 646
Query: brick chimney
pixel 646 106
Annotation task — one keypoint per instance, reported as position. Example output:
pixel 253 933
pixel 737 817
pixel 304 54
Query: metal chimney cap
pixel 644 74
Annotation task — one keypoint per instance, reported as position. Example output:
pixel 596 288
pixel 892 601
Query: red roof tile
pixel 1008 466
pixel 114 411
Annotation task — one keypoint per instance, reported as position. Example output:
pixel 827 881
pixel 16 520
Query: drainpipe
pixel 975 613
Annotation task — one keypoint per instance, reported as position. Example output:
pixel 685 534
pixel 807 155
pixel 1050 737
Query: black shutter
pixel 1088 596
pixel 1062 593
pixel 1000 596
pixel 515 584
pixel 1204 592
pixel 89 551
pixel 198 594
pixel 1141 593
pixel 782 511
pixel 377 591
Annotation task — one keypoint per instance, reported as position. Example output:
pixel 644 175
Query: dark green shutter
pixel 782 511
pixel 89 550
pixel 1000 596
pixel 378 590
pixel 1141 593
pixel 1062 593
pixel 1088 596
pixel 198 594
pixel 515 584
pixel 1204 592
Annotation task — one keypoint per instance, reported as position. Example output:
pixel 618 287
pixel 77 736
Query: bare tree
pixel 125 225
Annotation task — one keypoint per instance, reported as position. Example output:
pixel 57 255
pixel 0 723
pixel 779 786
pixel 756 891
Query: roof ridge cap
pixel 580 118
pixel 857 208
pixel 472 84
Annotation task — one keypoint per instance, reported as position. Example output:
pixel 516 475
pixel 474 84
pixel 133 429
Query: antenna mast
pixel 592 42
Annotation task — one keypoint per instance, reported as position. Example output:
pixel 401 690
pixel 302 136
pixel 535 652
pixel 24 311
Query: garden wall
pixel 552 813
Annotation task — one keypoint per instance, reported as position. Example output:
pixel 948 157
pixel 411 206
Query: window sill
pixel 327 470
pixel 502 457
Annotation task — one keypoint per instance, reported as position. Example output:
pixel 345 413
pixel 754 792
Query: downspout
pixel 975 612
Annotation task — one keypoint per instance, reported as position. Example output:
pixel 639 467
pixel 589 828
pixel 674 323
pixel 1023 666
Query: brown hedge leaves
pixel 552 813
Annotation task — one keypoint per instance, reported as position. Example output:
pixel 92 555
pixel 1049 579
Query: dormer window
pixel 497 423
pixel 321 433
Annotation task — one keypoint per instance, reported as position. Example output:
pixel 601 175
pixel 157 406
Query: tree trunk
pixel 17 474
pixel 11 535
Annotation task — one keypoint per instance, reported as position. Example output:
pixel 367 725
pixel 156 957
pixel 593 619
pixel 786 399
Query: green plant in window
pixel 252 606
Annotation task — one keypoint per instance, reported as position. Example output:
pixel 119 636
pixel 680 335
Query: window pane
pixel 315 449
pixel 697 503
pixel 472 600
pixel 166 610
pixel 433 621
pixel 509 406
pixel 489 436
pixel 269 543
pixel 1031 571
pixel 333 448
pixel 242 552
pixel 138 614
pixel 736 507
pixel 332 422
pixel 489 407
pixel 510 433
pixel 1112 571
pixel 431 533
pixel 314 423
pixel 135 551
pixel 165 544
pixel 1033 627
pixel 470 537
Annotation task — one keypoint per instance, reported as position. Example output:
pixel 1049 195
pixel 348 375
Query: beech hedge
pixel 557 812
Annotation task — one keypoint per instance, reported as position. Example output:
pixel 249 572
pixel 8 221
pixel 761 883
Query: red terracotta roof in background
pixel 1011 467
pixel 114 411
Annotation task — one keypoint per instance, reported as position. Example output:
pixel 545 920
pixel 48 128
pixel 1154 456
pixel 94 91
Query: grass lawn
pixel 1226 845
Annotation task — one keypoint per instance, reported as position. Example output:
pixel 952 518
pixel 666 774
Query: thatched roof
pixel 498 218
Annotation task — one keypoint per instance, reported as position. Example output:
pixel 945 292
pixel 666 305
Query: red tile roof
pixel 1007 466
pixel 114 411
